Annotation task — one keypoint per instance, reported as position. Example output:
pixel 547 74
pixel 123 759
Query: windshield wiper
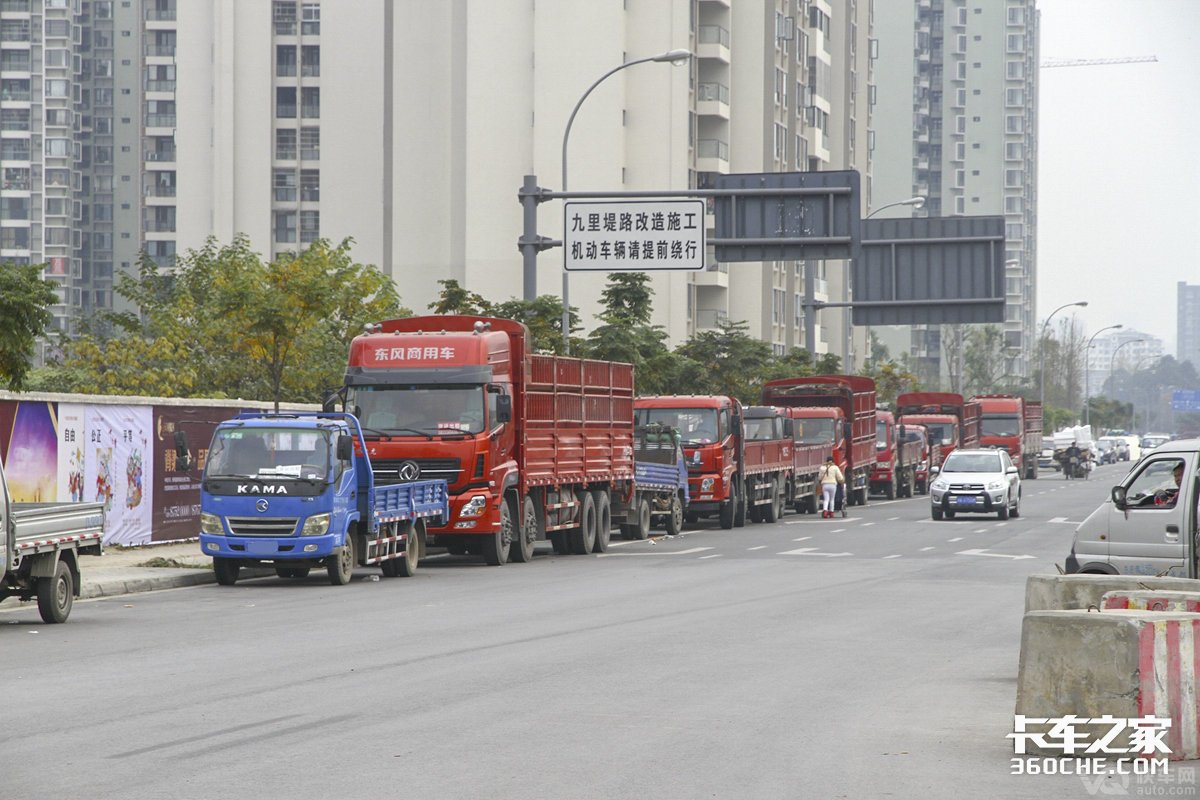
pixel 377 432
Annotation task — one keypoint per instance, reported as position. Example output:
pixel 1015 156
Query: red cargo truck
pixel 533 446
pixel 812 441
pixel 950 421
pixel 897 458
pixel 853 397
pixel 767 462
pixel 930 454
pixel 1015 424
pixel 713 438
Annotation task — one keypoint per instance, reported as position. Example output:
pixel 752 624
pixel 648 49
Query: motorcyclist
pixel 1072 458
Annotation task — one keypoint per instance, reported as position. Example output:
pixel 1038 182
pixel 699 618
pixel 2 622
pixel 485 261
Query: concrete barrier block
pixel 1142 600
pixel 1058 592
pixel 1124 664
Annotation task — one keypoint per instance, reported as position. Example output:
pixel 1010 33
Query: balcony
pixel 712 41
pixel 14 6
pixel 160 86
pixel 160 14
pixel 712 155
pixel 160 51
pixel 715 274
pixel 160 159
pixel 712 99
pixel 710 318
pixel 160 120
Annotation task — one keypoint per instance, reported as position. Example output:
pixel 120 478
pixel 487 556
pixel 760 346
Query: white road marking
pixel 979 530
pixel 923 549
pixel 837 530
pixel 990 555
pixel 811 551
pixel 955 539
pixel 895 556
pixel 760 547
pixel 1062 521
pixel 689 551
pixel 802 539
pixel 892 519
pixel 714 555
pixel 867 524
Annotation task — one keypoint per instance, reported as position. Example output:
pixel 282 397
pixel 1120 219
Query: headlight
pixel 994 485
pixel 211 524
pixel 939 485
pixel 315 525
pixel 706 484
pixel 474 507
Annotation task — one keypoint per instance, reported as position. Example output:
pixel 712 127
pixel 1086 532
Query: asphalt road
pixel 867 657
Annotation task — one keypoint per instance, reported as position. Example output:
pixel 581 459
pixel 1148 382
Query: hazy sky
pixel 1119 170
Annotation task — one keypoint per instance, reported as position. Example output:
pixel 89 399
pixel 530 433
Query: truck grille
pixel 387 470
pixel 262 526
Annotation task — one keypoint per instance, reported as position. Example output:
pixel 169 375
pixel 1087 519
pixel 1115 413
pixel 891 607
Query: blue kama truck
pixel 295 491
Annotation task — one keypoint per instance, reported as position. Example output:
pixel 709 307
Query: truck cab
pixel 1148 525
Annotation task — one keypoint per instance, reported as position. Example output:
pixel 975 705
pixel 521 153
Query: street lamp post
pixel 915 202
pixel 1087 373
pixel 677 57
pixel 1042 350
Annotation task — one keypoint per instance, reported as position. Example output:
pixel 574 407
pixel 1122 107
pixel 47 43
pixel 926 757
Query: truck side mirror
pixel 787 428
pixel 183 459
pixel 1118 497
pixel 848 430
pixel 504 410
pixel 329 400
pixel 345 447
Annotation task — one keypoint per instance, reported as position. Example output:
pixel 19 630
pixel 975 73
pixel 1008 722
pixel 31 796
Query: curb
pixel 116 586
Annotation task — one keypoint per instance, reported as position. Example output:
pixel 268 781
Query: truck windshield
pixel 941 432
pixel 695 425
pixel 1006 425
pixel 762 429
pixel 881 435
pixel 815 431
pixel 422 410
pixel 278 453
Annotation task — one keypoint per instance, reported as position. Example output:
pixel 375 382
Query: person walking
pixel 829 478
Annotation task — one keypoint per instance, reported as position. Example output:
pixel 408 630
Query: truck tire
pixel 770 512
pixel 292 572
pixel 860 496
pixel 405 564
pixel 603 520
pixel 639 529
pixel 739 509
pixel 56 594
pixel 729 509
pixel 522 546
pixel 340 565
pixel 889 491
pixel 674 518
pixel 498 544
pixel 583 536
pixel 226 570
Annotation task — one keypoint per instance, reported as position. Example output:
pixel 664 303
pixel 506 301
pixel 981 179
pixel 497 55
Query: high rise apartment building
pixel 1127 349
pixel 1187 324
pixel 135 126
pixel 957 124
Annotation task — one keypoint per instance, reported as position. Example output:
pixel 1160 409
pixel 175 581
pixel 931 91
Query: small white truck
pixel 40 544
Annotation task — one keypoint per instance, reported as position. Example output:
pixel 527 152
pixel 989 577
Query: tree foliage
pixel 224 323
pixel 542 315
pixel 25 298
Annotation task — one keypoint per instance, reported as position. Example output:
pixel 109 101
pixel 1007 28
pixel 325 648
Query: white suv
pixel 983 481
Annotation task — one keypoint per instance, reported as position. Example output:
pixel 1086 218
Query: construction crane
pixel 1093 62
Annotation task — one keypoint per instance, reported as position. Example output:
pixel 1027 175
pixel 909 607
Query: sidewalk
pixel 125 570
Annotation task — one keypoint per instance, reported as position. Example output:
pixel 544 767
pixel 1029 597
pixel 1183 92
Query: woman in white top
pixel 829 478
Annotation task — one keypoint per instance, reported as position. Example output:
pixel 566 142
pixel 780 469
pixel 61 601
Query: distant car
pixel 1153 440
pixel 1046 459
pixel 977 481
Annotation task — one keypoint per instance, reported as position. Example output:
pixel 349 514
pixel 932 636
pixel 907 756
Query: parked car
pixel 976 481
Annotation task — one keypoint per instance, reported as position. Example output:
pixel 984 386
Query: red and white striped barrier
pixel 1168 662
pixel 1152 601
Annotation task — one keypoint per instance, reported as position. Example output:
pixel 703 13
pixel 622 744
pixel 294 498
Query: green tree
pixel 891 381
pixel 625 334
pixel 542 315
pixel 725 361
pixel 986 361
pixel 455 299
pixel 25 298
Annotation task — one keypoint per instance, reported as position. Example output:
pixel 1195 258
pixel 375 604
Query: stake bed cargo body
pixel 532 446
pixel 295 491
pixel 897 458
pixel 40 545
pixel 951 421
pixel 1014 423
pixel 853 397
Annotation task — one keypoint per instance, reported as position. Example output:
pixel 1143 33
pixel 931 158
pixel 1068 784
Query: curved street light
pixel 1087 374
pixel 915 202
pixel 676 57
pixel 1113 361
pixel 1042 350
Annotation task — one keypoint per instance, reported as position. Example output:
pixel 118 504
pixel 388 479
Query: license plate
pixel 964 501
pixel 260 548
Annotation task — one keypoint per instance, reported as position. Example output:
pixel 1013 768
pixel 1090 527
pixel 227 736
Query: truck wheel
pixel 739 510
pixel 603 521
pixel 860 496
pixel 674 520
pixel 728 510
pixel 889 491
pixel 558 541
pixel 340 565
pixel 583 535
pixel 406 565
pixel 292 572
pixel 497 545
pixel 770 512
pixel 56 594
pixel 639 529
pixel 522 546
pixel 226 571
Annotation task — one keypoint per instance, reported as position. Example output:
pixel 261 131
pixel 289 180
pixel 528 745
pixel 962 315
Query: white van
pixel 1148 526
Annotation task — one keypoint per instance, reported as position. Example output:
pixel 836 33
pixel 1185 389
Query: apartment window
pixel 801 152
pixel 959 205
pixel 57 206
pixel 102 67
pixel 285 226
pixel 310 60
pixel 285 144
pixel 960 178
pixel 285 102
pixel 1014 205
pixel 1014 178
pixel 960 43
pixel 960 71
pixel 777 299
pixel 58 235
pixel 818 20
pixel 102 9
pixel 161 43
pixel 285 185
pixel 103 125
pixel 58 177
pixel 310 144
pixel 102 97
pixel 310 185
pixel 58 58
pixel 960 97
pixel 1016 16
pixel 284 13
pixel 1015 70
pixel 960 124
pixel 780 87
pixel 60 148
pixel 160 78
pixel 1014 151
pixel 57 88
pixel 1014 230
pixel 285 60
pixel 160 113
pixel 311 19
pixel 1014 97
pixel 310 226
pixel 780 141
pixel 102 212
pixel 1014 123
pixel 960 151
pixel 14 208
pixel 1015 43
pixel 58 28
pixel 310 102
pixel 104 154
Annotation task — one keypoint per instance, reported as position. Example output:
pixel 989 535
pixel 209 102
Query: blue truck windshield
pixel 427 410
pixel 269 454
